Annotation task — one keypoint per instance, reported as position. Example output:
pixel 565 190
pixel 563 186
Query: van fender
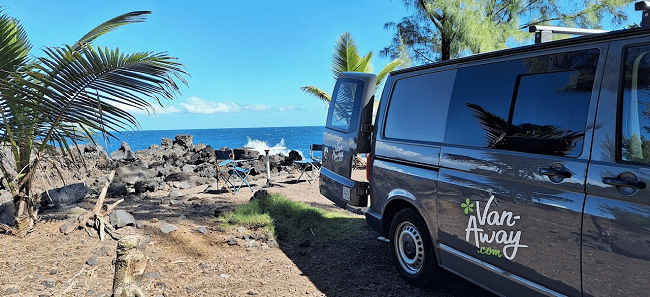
pixel 398 199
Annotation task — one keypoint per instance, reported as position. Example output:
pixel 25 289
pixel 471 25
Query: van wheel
pixel 412 248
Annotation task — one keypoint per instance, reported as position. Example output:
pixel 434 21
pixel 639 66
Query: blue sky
pixel 247 59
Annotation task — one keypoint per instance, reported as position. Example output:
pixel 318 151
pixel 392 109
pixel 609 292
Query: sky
pixel 246 59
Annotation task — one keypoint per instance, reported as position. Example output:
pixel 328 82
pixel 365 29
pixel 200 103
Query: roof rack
pixel 545 33
pixel 643 6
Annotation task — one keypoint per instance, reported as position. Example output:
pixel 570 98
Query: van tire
pixel 412 249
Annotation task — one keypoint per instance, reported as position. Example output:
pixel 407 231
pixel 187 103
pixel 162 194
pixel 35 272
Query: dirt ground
pixel 215 262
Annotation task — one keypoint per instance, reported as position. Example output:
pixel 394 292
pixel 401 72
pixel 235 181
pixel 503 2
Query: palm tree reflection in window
pixel 531 138
pixel 343 104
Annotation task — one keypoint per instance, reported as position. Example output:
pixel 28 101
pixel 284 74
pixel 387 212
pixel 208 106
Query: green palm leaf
pixel 110 25
pixel 318 93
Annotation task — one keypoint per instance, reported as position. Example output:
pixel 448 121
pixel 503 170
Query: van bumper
pixel 343 191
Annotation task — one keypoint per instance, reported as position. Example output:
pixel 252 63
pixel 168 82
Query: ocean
pixel 293 138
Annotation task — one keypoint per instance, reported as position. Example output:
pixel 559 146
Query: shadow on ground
pixel 362 266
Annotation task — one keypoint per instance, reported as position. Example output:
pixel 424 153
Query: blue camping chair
pixel 310 167
pixel 232 173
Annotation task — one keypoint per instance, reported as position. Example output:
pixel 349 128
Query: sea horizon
pixel 297 138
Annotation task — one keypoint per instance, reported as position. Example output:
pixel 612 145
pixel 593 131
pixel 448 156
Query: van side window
pixel 635 134
pixel 418 107
pixel 345 93
pixel 536 105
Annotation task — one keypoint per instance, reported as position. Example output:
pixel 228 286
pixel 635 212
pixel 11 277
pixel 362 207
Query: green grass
pixel 294 221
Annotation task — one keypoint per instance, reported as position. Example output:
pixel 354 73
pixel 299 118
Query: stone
pixel 123 153
pixel 166 142
pixel 132 174
pixel 241 229
pixel 184 140
pixel 166 228
pixel 69 194
pixel 49 283
pixel 92 261
pixel 152 274
pixel 202 230
pixel 178 176
pixel 121 218
pixel 117 189
pixel 11 291
pixel 7 211
pixel 74 213
pixel 143 186
pixel 54 271
pixel 68 226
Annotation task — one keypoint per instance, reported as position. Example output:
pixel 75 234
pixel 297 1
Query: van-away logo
pixel 476 222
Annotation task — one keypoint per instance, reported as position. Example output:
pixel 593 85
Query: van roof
pixel 602 37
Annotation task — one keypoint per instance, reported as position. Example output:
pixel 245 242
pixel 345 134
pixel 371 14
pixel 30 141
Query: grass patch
pixel 294 221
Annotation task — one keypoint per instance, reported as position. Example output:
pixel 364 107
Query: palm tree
pixel 59 99
pixel 346 58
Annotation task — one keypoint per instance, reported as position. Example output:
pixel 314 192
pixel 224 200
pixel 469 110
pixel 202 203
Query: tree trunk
pixel 130 265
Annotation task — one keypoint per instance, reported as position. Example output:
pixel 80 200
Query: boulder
pixel 132 174
pixel 178 176
pixel 184 140
pixel 148 185
pixel 166 142
pixel 117 188
pixel 7 212
pixel 69 194
pixel 123 153
pixel 120 218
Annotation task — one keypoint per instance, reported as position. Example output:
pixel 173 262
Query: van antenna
pixel 644 7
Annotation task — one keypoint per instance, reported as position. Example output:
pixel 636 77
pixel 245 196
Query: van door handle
pixel 563 173
pixel 620 182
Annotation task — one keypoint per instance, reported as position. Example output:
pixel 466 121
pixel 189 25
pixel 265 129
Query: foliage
pixel 60 98
pixel 346 58
pixel 442 30
pixel 294 221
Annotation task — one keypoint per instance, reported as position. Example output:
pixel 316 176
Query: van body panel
pixel 519 217
pixel 616 224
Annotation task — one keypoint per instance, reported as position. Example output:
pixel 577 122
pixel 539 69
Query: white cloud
pixel 196 105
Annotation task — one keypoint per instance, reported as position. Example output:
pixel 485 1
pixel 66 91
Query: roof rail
pixel 545 33
pixel 643 6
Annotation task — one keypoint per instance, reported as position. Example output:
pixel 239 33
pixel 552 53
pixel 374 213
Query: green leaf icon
pixel 468 206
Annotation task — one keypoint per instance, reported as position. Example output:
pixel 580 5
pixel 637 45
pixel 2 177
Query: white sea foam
pixel 260 146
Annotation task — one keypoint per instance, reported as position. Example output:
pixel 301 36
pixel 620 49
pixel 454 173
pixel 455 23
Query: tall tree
pixel 346 58
pixel 445 29
pixel 55 100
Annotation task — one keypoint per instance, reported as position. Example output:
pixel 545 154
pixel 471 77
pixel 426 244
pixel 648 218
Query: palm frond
pixel 318 93
pixel 14 46
pixel 110 25
pixel 386 70
pixel 87 85
pixel 346 55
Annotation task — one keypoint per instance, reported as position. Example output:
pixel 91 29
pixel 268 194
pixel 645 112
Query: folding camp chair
pixel 223 175
pixel 229 173
pixel 242 175
pixel 310 167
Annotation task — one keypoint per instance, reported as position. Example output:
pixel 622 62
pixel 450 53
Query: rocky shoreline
pixel 175 164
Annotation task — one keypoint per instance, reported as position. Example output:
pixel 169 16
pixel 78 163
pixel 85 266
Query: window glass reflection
pixel 345 94
pixel 635 134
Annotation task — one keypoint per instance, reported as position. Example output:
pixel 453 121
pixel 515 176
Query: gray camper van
pixel 525 170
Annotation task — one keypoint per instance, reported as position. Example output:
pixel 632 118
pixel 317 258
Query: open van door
pixel 347 133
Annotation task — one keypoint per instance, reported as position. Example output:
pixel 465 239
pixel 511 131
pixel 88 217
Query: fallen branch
pixel 96 218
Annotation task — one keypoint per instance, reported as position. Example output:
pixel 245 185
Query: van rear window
pixel 346 93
